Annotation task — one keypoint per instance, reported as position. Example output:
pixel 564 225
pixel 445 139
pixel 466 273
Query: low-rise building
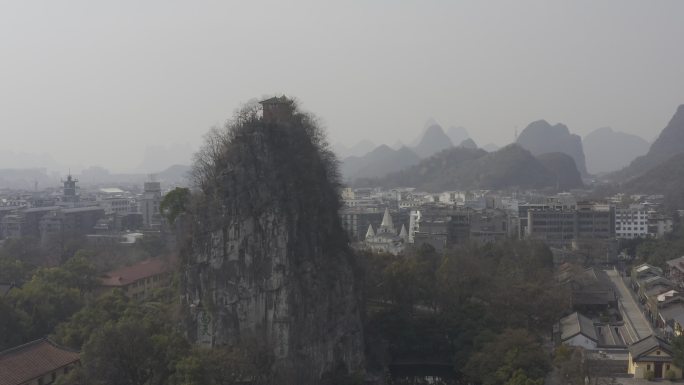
pixel 36 363
pixel 652 354
pixel 675 271
pixel 138 280
pixel 578 330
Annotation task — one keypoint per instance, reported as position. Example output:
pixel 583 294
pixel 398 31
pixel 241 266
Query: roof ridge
pixel 22 346
pixel 36 342
pixel 59 346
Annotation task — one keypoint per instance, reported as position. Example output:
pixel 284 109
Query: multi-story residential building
pixel 659 224
pixel 566 227
pixel 74 221
pixel 641 221
pixel 631 222
pixel 11 226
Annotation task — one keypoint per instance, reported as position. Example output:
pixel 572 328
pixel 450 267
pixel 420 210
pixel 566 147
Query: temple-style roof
pixel 387 220
pixel 370 232
pixel 575 324
pixel 27 362
pixel 403 233
pixel 640 350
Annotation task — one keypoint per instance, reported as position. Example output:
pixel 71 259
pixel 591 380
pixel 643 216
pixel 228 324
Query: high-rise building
pixel 149 205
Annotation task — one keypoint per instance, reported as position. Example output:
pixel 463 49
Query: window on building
pixel 657 352
pixel 648 367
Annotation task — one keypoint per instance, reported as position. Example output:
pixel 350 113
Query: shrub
pixel 670 375
pixel 649 375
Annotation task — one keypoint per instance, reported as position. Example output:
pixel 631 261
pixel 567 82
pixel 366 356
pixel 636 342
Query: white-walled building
pixel 385 239
pixel 578 330
pixel 631 222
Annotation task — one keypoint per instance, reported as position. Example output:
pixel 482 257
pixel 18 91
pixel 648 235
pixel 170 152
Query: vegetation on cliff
pixel 268 257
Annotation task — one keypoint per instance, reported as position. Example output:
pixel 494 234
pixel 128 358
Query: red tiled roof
pixel 34 359
pixel 129 274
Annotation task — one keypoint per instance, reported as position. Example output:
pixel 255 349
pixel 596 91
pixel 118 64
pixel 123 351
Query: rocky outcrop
pixel 670 142
pixel 457 134
pixel 541 138
pixel 268 258
pixel 433 141
pixel 468 143
pixel 564 168
pixel 462 168
pixel 379 162
pixel 623 147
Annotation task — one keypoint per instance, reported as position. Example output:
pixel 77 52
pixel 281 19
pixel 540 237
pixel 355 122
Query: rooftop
pixel 82 209
pixel 111 190
pixel 129 274
pixel 23 363
pixel 677 263
pixel 276 100
pixel 5 288
pixel 640 349
pixel 575 324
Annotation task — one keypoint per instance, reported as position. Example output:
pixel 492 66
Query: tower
pixel 149 204
pixel 276 109
pixel 69 191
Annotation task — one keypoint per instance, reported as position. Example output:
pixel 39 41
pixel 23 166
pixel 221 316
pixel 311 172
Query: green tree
pixel 82 273
pixel 678 351
pixel 109 307
pixel 129 352
pixel 13 326
pixel 515 352
pixel 174 203
pixel 46 300
pixel 221 366
pixel 13 270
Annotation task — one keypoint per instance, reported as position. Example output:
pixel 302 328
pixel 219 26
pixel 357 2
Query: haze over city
pixel 97 83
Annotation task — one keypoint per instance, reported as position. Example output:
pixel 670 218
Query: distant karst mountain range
pixel 669 144
pixel 383 159
pixel 660 169
pixel 539 138
pixel 461 168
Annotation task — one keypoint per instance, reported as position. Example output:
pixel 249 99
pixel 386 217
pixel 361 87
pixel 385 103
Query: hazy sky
pixel 95 82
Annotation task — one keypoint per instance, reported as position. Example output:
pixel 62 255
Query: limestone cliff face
pixel 268 259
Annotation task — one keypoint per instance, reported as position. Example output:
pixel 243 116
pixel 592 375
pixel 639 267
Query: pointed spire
pixel 370 232
pixel 403 234
pixel 387 220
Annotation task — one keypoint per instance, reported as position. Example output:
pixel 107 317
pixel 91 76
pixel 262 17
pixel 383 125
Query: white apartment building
pixel 631 222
